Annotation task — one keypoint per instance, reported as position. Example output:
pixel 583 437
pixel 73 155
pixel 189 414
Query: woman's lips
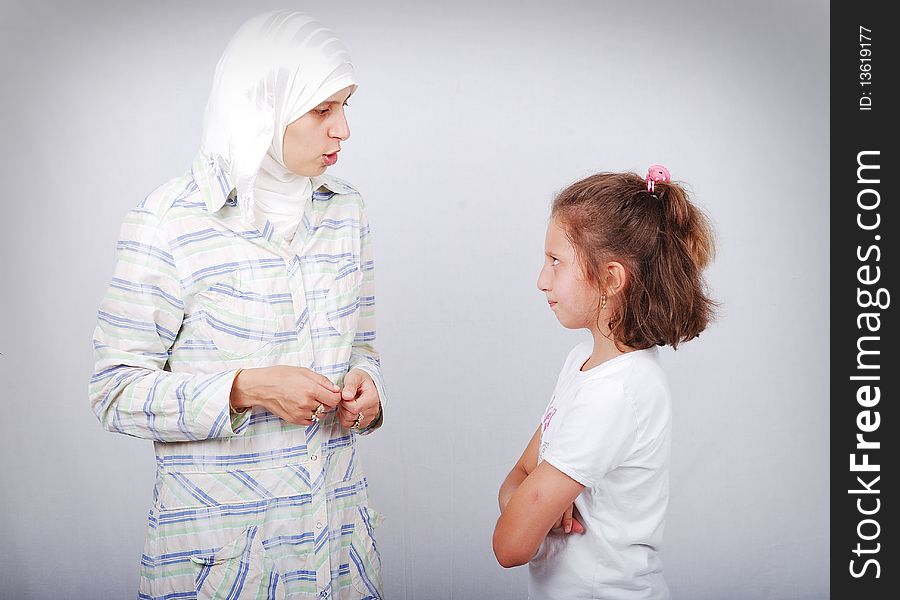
pixel 329 159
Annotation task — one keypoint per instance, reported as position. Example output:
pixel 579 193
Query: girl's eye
pixel 554 261
pixel 322 111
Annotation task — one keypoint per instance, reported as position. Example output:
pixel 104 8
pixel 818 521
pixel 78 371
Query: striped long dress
pixel 245 505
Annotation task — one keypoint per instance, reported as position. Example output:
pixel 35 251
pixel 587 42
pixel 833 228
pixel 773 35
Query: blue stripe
pixel 197 345
pixel 302 320
pixel 334 224
pixel 339 442
pixel 151 395
pixel 219 424
pixel 250 483
pixel 193 490
pixel 333 369
pixel 273 584
pixel 107 373
pixel 200 235
pixel 227 290
pixel 349 269
pixel 299 575
pixel 189 188
pixel 172 516
pixel 350 465
pixel 360 566
pixel 186 204
pixel 145 288
pixel 139 248
pixel 181 397
pixel 202 575
pixel 172 558
pixel 123 323
pixel 321 539
pixel 201 387
pixel 328 258
pixel 181 460
pixel 289 540
pixel 343 311
pixel 229 267
pixel 223 183
pixel 324 332
pixel 322 196
pixel 238 585
pixel 257 335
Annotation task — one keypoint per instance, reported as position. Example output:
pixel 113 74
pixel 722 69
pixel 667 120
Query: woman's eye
pixel 322 111
pixel 554 261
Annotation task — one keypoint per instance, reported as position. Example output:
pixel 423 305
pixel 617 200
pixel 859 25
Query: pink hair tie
pixel 656 173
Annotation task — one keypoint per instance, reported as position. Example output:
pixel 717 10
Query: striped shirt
pixel 245 505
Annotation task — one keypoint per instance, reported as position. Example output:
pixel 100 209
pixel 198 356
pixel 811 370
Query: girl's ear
pixel 616 277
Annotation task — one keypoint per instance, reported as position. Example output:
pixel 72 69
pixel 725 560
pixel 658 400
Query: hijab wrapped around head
pixel 276 68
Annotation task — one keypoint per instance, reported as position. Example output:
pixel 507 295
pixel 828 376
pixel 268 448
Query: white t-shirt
pixel 609 429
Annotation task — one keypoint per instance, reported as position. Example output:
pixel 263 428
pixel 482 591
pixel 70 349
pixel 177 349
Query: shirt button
pixel 314 457
pixel 319 525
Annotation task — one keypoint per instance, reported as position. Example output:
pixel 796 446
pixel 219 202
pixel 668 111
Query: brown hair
pixel 663 241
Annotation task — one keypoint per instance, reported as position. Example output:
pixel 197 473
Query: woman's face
pixel 312 142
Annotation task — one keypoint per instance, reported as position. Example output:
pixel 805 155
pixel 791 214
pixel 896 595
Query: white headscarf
pixel 277 67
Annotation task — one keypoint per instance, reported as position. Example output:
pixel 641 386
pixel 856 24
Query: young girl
pixel 585 504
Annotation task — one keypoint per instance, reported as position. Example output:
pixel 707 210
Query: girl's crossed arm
pixel 532 498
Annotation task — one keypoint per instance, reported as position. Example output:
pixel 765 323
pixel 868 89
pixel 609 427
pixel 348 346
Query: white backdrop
pixel 469 117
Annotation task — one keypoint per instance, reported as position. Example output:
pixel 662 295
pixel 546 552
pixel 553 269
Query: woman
pixel 238 333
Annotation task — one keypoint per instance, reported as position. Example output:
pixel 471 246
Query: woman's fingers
pixel 360 403
pixel 353 382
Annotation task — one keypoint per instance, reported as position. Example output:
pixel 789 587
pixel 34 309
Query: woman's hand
pixel 569 522
pixel 292 393
pixel 360 404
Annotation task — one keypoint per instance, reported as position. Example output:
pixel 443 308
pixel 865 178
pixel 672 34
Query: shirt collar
pixel 217 190
pixel 214 184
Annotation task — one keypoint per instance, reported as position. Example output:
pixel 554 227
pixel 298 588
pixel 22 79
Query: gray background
pixel 468 118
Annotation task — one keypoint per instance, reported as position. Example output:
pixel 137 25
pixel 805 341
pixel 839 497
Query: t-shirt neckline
pixel 606 363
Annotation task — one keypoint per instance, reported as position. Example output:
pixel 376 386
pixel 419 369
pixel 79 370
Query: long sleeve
pixel 137 323
pixel 363 355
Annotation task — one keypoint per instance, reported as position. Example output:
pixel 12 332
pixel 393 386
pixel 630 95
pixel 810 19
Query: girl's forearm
pixel 510 485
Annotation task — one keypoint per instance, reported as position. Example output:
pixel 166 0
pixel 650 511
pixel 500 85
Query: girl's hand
pixel 569 522
pixel 360 404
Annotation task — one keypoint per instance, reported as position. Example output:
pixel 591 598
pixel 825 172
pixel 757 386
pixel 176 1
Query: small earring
pixel 602 301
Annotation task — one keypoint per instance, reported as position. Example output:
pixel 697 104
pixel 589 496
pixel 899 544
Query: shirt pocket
pixel 364 557
pixel 237 316
pixel 239 569
pixel 342 303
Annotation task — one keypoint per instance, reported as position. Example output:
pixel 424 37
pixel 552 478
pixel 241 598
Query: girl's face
pixel 573 299
pixel 311 143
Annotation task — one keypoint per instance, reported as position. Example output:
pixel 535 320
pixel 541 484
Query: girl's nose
pixel 542 281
